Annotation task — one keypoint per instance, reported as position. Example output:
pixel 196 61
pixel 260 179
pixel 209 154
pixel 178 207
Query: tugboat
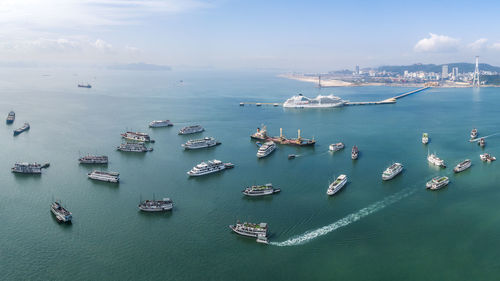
pixel 392 171
pixel 261 134
pixel 156 205
pixel 254 230
pixel 354 153
pixel 336 185
pixel 25 127
pixel 433 159
pixel 437 183
pixel 473 134
pixel 481 142
pixel 61 214
pixel 260 190
pixel 336 146
pixel 485 157
pixel 462 166
pixel 425 138
pixel 11 117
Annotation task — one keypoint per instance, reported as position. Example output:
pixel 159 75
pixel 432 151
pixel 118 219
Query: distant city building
pixel 455 73
pixel 406 73
pixel 357 70
pixel 444 73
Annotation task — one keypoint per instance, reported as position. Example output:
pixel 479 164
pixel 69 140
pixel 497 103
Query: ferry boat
pixel 462 166
pixel 25 127
pixel 27 168
pixel 134 147
pixel 11 117
pixel 425 138
pixel 93 159
pixel 473 133
pixel 200 143
pixel 156 205
pixel 255 230
pixel 104 176
pixel 84 86
pixel 437 183
pixel 160 123
pixel 261 134
pixel 481 142
pixel 191 130
pixel 433 159
pixel 354 153
pixel 336 146
pixel 320 101
pixel 260 190
pixel 61 213
pixel 208 167
pixel 266 149
pixel 485 157
pixel 336 185
pixel 137 136
pixel 392 171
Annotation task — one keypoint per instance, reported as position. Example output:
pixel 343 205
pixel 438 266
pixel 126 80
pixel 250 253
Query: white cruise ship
pixel 208 167
pixel 160 123
pixel 320 101
pixel 200 143
pixel 266 149
pixel 433 159
pixel 255 230
pixel 104 176
pixel 336 185
pixel 392 171
pixel 191 130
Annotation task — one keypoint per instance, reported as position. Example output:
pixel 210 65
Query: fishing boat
pixel 336 146
pixel 260 190
pixel 160 123
pixel 113 177
pixel 61 213
pixel 425 138
pixel 337 185
pixel 433 159
pixel 437 183
pixel 392 171
pixel 354 153
pixel 462 166
pixel 254 230
pixel 156 205
pixel 485 157
pixel 11 117
pixel 24 128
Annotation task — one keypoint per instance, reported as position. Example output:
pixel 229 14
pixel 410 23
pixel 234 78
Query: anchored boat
pixel 191 130
pixel 485 157
pixel 113 177
pixel 425 138
pixel 24 128
pixel 261 134
pixel 354 153
pixel 260 190
pixel 93 159
pixel 266 149
pixel 11 117
pixel 156 205
pixel 160 123
pixel 137 136
pixel 392 171
pixel 433 159
pixel 27 168
pixel 462 166
pixel 209 167
pixel 437 183
pixel 61 213
pixel 134 147
pixel 336 146
pixel 200 143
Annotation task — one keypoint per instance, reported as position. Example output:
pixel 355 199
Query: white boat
pixel 473 133
pixel 336 146
pixel 137 136
pixel 485 157
pixel 261 134
pixel 462 166
pixel 104 176
pixel 354 153
pixel 160 123
pixel 208 167
pixel 200 143
pixel 392 171
pixel 481 142
pixel 134 147
pixel 337 185
pixel 61 213
pixel 433 159
pixel 27 168
pixel 437 183
pixel 260 190
pixel 320 101
pixel 266 149
pixel 191 130
pixel 254 230
pixel 156 205
pixel 425 138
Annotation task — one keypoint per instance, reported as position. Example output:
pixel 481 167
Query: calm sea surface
pixel 371 230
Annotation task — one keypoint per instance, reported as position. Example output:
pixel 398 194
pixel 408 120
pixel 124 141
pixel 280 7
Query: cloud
pixel 495 46
pixel 437 43
pixel 102 45
pixel 478 44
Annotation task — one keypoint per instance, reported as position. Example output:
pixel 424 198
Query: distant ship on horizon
pixel 80 85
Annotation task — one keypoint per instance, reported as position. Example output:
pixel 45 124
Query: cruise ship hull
pixel 313 106
pixel 192 174
pixel 259 193
pixel 332 191
pixel 162 209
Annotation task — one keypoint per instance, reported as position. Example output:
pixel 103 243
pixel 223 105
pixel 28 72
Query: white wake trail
pixel 310 235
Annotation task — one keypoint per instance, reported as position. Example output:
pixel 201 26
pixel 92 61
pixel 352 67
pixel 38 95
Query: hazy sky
pixel 288 35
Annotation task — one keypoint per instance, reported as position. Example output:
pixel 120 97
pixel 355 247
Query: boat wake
pixel 377 206
pixel 477 139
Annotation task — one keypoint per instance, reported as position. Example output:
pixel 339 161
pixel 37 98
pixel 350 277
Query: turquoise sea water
pixel 371 230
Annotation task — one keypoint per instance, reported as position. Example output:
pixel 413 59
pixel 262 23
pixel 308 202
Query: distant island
pixel 140 66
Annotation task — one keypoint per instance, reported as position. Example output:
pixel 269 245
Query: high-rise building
pixel 357 69
pixel 444 73
pixel 454 73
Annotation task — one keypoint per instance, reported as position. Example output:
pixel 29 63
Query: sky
pixel 253 34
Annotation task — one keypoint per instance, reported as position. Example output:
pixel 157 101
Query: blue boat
pixel 11 117
pixel 25 127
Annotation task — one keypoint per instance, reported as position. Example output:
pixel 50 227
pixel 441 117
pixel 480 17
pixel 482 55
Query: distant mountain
pixel 140 66
pixel 462 67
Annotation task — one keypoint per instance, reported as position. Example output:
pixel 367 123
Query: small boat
pixel 258 104
pixel 260 190
pixel 425 138
pixel 481 142
pixel 242 104
pixel 61 213
pixel 229 165
pixel 276 104
pixel 84 86
pixel 473 134
pixel 291 156
pixel 11 117
pixel 336 185
pixel 433 159
pixel 437 183
pixel 462 166
pixel 25 127
pixel 485 157
pixel 156 205
pixel 160 123
pixel 336 146
pixel 354 153
pixel 392 171
pixel 254 230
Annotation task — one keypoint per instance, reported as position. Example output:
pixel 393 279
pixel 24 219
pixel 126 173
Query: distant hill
pixel 462 67
pixel 140 66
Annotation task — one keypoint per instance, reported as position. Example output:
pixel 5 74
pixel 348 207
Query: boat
pixel 261 134
pixel 276 104
pixel 262 239
pixel 134 147
pixel 200 143
pixel 462 166
pixel 11 117
pixel 137 136
pixel 104 176
pixel 437 183
pixel 433 159
pixel 425 138
pixel 61 213
pixel 320 101
pixel 254 230
pixel 191 130
pixel 336 146
pixel 27 168
pixel 337 185
pixel 229 165
pixel 354 153
pixel 485 157
pixel 84 86
pixel 156 205
pixel 291 156
pixel 258 104
pixel 473 133
pixel 160 123
pixel 208 167
pixel 299 141
pixel 242 104
pixel 25 127
pixel 392 171
pixel 93 159
pixel 481 142
pixel 260 190
pixel 266 149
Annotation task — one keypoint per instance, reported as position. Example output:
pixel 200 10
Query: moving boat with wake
pixel 437 183
pixel 336 146
pixel 254 230
pixel 433 159
pixel 425 138
pixel 485 157
pixel 392 171
pixel 337 185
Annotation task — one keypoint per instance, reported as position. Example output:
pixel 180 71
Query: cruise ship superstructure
pixel 160 123
pixel 266 149
pixel 137 136
pixel 320 101
pixel 392 171
pixel 208 167
pixel 61 213
pixel 255 230
pixel 200 143
pixel 134 147
pixel 191 130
